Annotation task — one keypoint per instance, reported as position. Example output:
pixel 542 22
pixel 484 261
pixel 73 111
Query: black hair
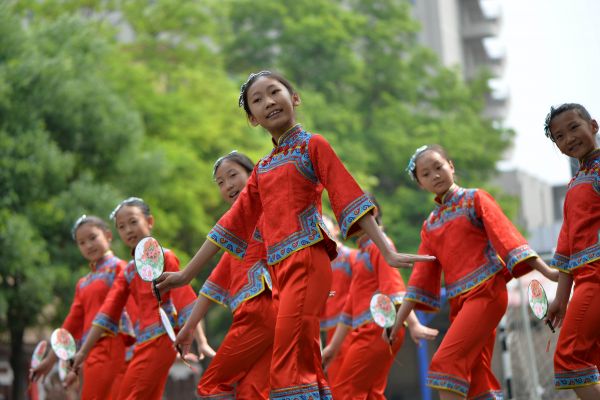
pixel 243 99
pixel 88 219
pixel 132 201
pixel 239 158
pixel 412 166
pixel 555 111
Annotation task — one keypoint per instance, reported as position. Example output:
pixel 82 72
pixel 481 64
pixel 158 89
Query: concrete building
pixel 464 33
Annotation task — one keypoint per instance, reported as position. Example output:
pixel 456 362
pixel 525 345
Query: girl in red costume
pixel 577 257
pixel 285 188
pixel 478 249
pixel 147 372
pixel 104 368
pixel 363 372
pixel 240 370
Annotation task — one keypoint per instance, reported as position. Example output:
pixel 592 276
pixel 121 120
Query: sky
pixel 552 50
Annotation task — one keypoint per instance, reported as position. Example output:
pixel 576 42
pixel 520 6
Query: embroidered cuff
pixel 352 213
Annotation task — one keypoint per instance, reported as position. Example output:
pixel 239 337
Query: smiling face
pixel 93 242
pixel 434 172
pixel 231 178
pixel 272 105
pixel 133 225
pixel 574 135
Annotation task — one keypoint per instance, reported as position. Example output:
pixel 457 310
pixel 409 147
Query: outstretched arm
pixel 558 308
pixel 185 337
pixel 539 264
pixel 419 331
pixel 171 280
pixel 368 224
pixel 406 308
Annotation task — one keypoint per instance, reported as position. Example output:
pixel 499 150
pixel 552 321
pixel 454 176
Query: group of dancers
pixel 285 275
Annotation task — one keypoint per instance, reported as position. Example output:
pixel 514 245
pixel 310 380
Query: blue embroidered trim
pixel 584 256
pixel 491 395
pixel 365 258
pixel 362 319
pixel 325 393
pixel 292 150
pixel 257 236
pixel 125 325
pixel 105 271
pixel 105 322
pixel 587 175
pixel 397 297
pixel 353 212
pixel 438 380
pixel 329 323
pixel 254 286
pixel 345 319
pixel 560 262
pixel 218 396
pixel 518 255
pixel 306 236
pixel 215 293
pixel 419 295
pixel 571 379
pixel 184 314
pixel 343 264
pixel 130 271
pixel 461 203
pixel 309 391
pixel 157 329
pixel 227 241
pixel 478 276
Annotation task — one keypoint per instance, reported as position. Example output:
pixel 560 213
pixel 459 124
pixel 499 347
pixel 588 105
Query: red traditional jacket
pixel 340 287
pixel 579 238
pixel 286 187
pixel 177 303
pixel 472 240
pixel 90 293
pixel 233 281
pixel 371 275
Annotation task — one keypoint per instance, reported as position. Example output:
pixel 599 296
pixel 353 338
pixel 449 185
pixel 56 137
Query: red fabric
pixel 241 366
pixel 147 373
pixel 103 369
pixel 148 322
pixel 302 282
pixel 472 240
pixel 371 275
pixel 286 186
pixel 466 350
pixel 577 356
pixel 90 293
pixel 364 370
pixel 341 268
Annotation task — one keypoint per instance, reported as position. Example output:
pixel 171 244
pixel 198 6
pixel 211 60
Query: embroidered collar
pixel 98 263
pixel 363 241
pixel 448 195
pixel 589 159
pixel 288 135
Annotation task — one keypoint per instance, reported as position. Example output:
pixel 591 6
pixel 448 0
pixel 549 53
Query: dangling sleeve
pixel 110 314
pixel 234 230
pixel 216 287
pixel 508 242
pixel 75 319
pixel 562 254
pixel 425 283
pixel 348 201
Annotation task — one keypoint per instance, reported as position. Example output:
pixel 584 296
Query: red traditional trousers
pixel 103 369
pixel 240 370
pixel 148 370
pixel 364 371
pixel 462 363
pixel 301 286
pixel 335 365
pixel 577 356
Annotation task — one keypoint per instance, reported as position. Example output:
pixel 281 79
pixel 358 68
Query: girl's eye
pixel 256 100
pixel 276 91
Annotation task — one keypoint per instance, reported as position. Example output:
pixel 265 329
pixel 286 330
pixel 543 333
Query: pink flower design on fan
pixel 146 273
pixel 538 310
pixel 151 250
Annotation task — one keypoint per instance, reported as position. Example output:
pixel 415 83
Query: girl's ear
pixel 451 165
pixel 296 99
pixel 108 235
pixel 594 126
pixel 252 120
pixel 150 220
